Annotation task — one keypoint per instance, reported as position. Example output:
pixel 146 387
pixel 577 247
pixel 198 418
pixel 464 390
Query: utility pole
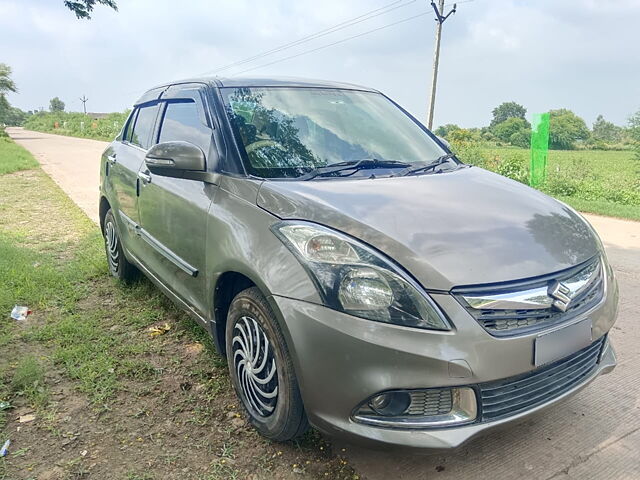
pixel 440 18
pixel 84 99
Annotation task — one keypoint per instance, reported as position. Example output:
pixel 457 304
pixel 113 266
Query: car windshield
pixel 289 132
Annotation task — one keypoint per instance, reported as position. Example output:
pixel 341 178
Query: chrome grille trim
pixel 507 397
pixel 533 306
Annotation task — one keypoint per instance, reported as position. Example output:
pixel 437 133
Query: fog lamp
pixel 391 403
pixel 418 409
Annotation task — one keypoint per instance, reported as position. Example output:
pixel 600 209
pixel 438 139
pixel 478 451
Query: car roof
pixel 237 82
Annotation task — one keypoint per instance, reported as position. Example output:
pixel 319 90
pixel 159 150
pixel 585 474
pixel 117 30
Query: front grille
pixel 507 397
pixel 431 402
pixel 500 322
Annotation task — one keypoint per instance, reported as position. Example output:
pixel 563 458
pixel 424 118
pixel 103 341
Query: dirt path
pixel 596 434
pixel 73 163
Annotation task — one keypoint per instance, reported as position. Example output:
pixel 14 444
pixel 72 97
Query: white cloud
pixel 541 53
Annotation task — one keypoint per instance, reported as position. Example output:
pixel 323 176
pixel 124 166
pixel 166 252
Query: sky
pixel 544 54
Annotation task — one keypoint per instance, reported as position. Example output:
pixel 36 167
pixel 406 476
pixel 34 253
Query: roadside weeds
pixel 109 400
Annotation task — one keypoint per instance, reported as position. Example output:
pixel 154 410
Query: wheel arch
pixel 104 207
pixel 227 286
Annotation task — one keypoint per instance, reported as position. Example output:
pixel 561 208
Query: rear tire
pixel 119 266
pixel 261 368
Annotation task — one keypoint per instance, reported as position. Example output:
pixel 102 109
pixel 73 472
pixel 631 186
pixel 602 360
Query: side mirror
pixel 444 142
pixel 172 158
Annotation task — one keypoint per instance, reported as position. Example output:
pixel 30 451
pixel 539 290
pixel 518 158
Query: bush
pixel 575 181
pixel 464 135
pixel 444 130
pixel 521 139
pixel 565 129
pixel 77 124
pixel 507 128
pixel 515 167
pixel 469 152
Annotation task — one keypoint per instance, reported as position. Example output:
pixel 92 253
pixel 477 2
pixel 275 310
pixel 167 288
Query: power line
pixel 458 3
pixel 347 23
pixel 334 43
pixel 321 33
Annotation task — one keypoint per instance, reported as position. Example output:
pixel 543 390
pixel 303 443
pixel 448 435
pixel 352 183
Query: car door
pixel 173 211
pixel 123 165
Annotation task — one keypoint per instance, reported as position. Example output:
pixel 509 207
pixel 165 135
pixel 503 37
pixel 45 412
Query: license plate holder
pixel 561 342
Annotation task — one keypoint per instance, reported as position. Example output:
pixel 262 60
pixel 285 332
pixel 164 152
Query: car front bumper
pixel 342 360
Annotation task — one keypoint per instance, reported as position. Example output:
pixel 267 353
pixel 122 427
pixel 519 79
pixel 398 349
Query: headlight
pixel 354 278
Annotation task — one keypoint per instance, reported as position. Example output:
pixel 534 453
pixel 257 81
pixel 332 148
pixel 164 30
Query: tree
pixel 515 131
pixel 444 130
pixel 634 133
pixel 605 131
pixel 10 115
pixel 83 8
pixel 7 112
pixel 521 138
pixel 56 105
pixel 565 129
pixel 6 83
pixel 634 126
pixel 508 110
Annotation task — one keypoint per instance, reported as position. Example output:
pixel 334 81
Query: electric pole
pixel 84 99
pixel 440 18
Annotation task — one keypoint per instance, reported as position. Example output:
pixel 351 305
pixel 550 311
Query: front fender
pixel 239 240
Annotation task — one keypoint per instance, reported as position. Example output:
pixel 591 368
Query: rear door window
pixel 182 121
pixel 144 125
pixel 129 130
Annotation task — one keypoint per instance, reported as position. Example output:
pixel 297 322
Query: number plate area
pixel 562 342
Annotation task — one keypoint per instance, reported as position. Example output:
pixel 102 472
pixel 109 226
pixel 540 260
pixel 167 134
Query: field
pixel 85 390
pixel 594 181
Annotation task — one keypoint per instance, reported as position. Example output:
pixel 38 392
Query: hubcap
pixel 255 367
pixel 111 242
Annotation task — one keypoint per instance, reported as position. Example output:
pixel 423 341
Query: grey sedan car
pixel 356 275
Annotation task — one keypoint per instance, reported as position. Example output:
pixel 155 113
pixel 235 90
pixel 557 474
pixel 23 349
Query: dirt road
pixel 594 435
pixel 73 163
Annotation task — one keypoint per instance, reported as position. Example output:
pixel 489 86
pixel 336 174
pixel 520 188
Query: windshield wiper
pixel 354 165
pixel 413 169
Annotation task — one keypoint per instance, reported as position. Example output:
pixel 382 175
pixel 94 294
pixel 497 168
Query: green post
pixel 539 148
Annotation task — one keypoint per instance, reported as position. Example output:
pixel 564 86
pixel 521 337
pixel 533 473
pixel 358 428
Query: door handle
pixel 111 159
pixel 145 177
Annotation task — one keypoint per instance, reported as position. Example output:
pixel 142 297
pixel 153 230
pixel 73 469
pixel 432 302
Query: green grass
pixel 602 207
pixel 594 181
pixel 52 260
pixel 28 380
pixel 13 157
pixel 86 347
pixel 617 170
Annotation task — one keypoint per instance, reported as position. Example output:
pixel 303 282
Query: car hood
pixel 464 227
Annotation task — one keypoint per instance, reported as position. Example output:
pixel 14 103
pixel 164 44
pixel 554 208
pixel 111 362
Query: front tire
pixel 119 266
pixel 261 368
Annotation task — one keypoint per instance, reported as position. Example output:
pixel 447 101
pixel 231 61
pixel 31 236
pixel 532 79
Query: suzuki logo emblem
pixel 560 294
